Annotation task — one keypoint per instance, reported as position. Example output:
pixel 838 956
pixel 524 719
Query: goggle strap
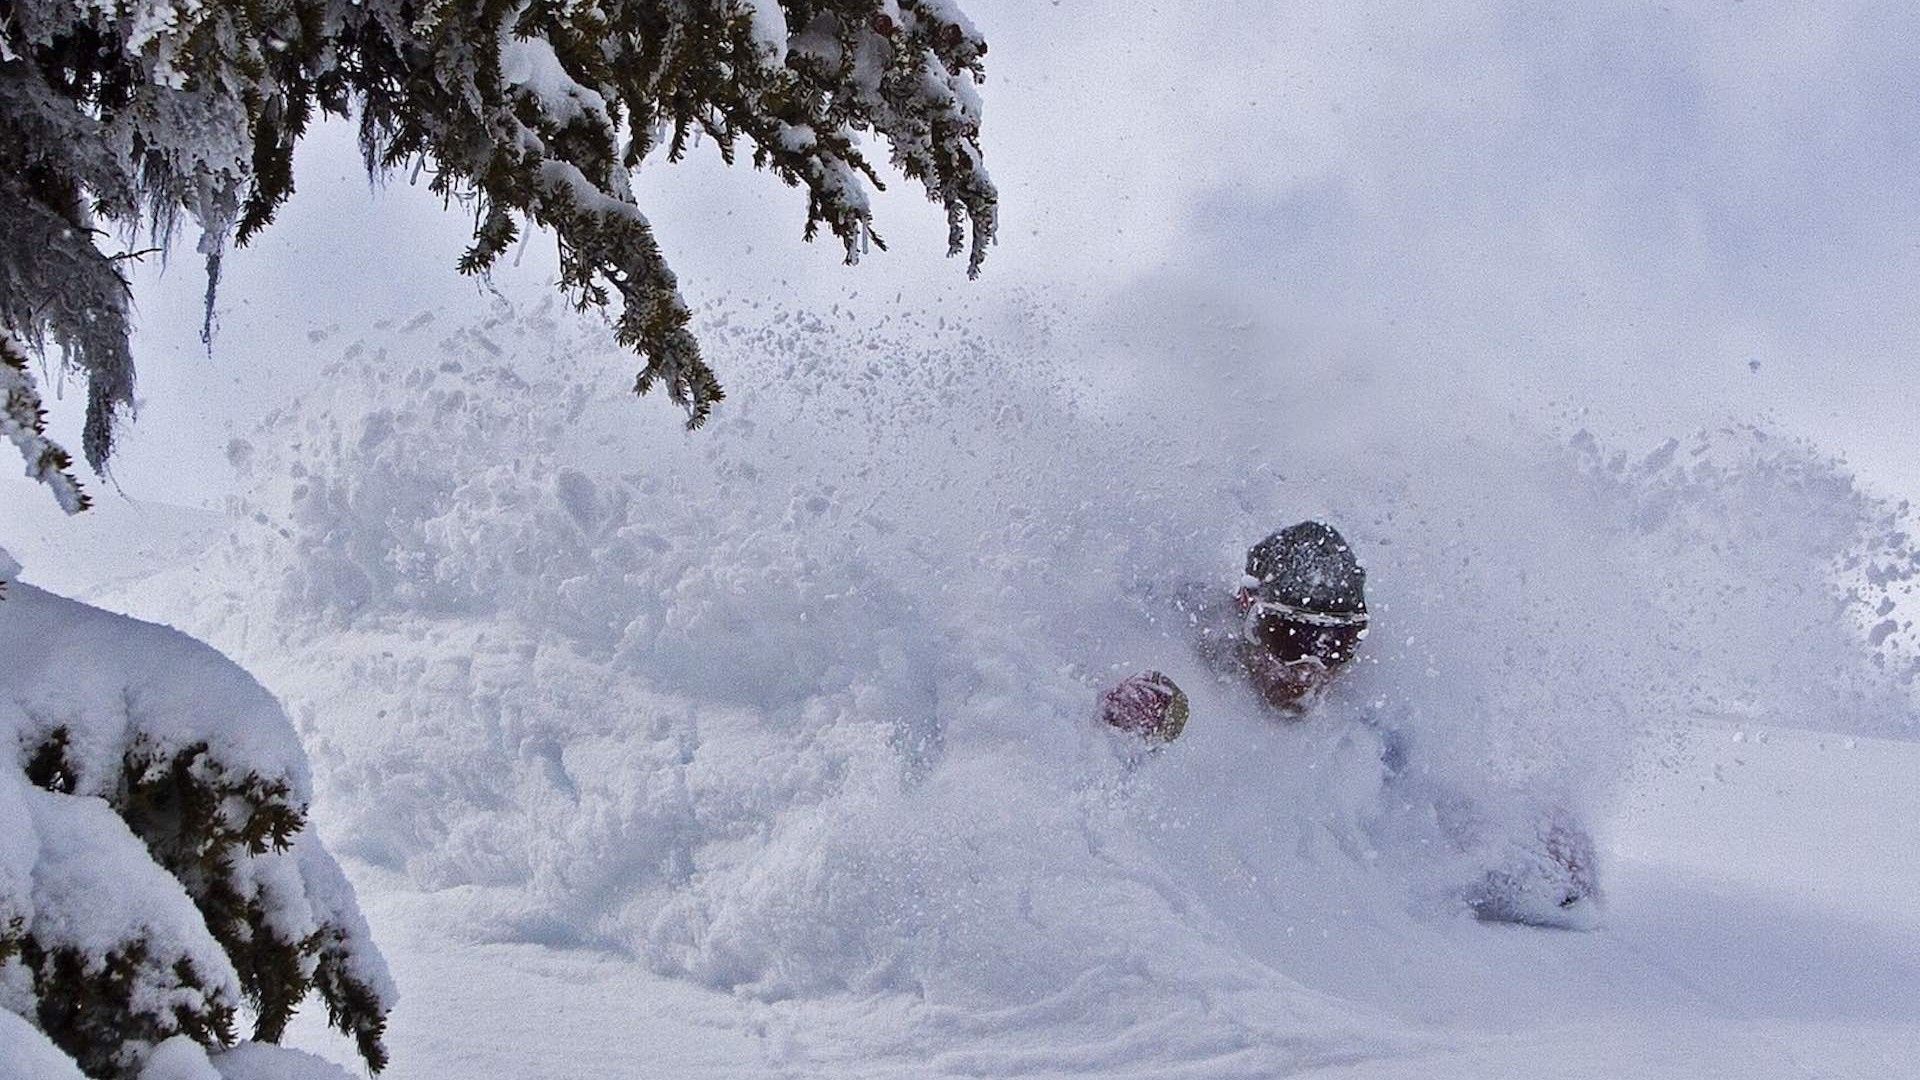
pixel 1309 618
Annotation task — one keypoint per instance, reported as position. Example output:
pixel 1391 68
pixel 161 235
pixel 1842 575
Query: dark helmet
pixel 1305 595
pixel 1309 569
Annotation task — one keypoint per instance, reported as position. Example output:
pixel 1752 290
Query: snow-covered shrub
pixel 156 877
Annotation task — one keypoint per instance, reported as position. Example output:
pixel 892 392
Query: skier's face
pixel 1290 640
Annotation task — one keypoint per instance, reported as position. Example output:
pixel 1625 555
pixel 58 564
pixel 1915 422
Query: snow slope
pixel 1742 940
pixel 769 751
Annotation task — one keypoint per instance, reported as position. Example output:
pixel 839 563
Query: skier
pixel 1294 624
pixel 1296 621
pixel 1300 613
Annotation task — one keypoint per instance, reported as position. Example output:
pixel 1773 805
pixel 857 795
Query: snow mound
pixel 180 1058
pixel 110 682
pixel 25 1054
pixel 802 707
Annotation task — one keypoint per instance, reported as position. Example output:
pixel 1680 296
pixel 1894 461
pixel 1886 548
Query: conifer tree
pixel 133 118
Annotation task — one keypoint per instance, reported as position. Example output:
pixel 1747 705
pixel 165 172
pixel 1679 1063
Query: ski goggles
pixel 1256 610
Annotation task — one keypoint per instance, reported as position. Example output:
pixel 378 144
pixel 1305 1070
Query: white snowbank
pixel 25 1054
pixel 178 1058
pixel 257 1061
pixel 110 680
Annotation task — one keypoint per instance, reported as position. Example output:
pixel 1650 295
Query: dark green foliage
pixel 13 938
pixel 199 820
pixel 181 805
pixel 194 813
pixel 48 766
pixel 94 1011
pixel 353 1008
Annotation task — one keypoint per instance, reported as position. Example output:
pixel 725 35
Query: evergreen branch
pixel 23 420
pixel 495 98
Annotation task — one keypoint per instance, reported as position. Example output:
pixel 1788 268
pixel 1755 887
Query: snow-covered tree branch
pixel 23 421
pixel 120 118
pixel 157 884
